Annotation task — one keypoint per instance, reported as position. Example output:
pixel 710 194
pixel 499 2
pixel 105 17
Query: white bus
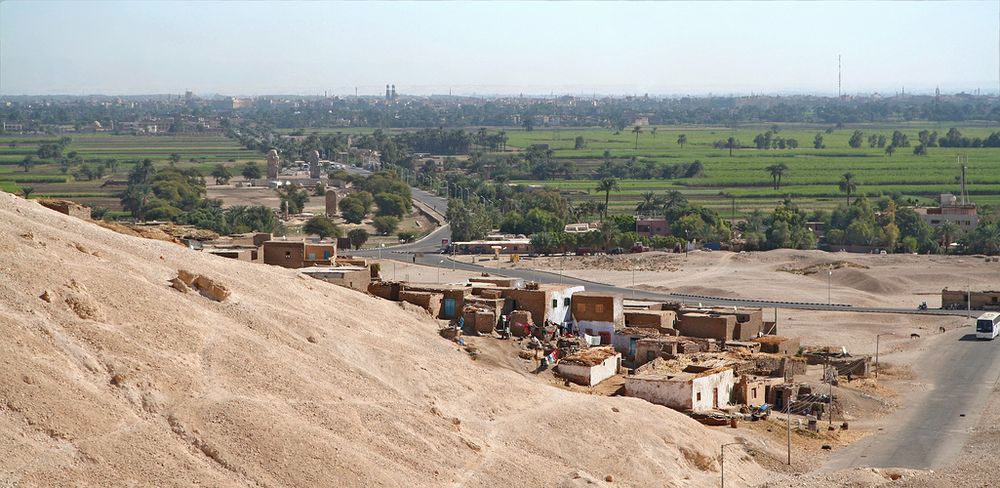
pixel 988 325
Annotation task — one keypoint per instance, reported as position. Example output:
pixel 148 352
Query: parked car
pixel 617 250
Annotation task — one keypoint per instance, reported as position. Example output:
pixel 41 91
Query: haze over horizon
pixel 501 48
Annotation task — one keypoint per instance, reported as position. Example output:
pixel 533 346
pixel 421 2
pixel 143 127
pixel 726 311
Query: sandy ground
pixel 111 378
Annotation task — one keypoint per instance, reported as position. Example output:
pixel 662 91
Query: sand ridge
pixel 109 377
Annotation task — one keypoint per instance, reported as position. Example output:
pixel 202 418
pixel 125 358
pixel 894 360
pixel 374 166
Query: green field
pixel 811 180
pixel 196 151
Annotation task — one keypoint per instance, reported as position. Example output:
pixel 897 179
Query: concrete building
pixel 693 388
pixel 299 254
pixel 590 366
pixel 353 277
pixel 962 214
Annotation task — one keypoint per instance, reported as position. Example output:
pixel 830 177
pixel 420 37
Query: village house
pixel 598 314
pixel 353 277
pixel 590 366
pixel 299 254
pixel 651 226
pixel 694 388
pixel 546 302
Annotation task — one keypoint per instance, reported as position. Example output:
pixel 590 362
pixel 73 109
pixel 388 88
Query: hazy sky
pixel 52 47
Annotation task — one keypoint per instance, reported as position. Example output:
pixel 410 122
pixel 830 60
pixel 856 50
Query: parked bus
pixel 988 325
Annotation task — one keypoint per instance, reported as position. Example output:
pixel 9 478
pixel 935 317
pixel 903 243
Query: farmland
pixel 47 178
pixel 811 179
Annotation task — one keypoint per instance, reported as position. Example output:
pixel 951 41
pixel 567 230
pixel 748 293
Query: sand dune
pixel 108 377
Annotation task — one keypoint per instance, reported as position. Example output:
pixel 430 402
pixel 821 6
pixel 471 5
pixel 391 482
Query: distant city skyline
pixel 498 48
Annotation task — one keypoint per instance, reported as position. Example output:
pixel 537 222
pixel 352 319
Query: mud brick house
pixel 353 277
pixel 694 388
pixel 711 326
pixel 590 366
pixel 547 302
pixel 299 254
pixel 753 390
pixel 786 346
pixel 660 320
pixel 598 314
pixel 431 302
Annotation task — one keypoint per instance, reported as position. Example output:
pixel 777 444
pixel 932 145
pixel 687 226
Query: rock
pixel 186 276
pixel 312 339
pixel 46 296
pixel 210 289
pixel 178 285
pixel 609 478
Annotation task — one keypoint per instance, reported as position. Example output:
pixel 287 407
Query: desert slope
pixel 108 377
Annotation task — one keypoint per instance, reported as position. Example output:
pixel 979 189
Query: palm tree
pixel 503 140
pixel 646 206
pixel 26 191
pixel 848 185
pixel 682 139
pixel 730 143
pixel 607 185
pixel 637 130
pixel 776 171
pixel 946 232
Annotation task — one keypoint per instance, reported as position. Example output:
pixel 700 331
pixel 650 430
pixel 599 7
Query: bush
pixel 407 236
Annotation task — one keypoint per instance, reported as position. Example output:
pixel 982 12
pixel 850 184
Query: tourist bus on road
pixel 988 325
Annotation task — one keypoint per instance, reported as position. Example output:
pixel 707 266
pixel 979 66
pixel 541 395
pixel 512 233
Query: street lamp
pixel 439 271
pixel 722 463
pixel 876 350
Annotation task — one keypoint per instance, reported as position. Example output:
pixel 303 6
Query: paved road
pixel 932 426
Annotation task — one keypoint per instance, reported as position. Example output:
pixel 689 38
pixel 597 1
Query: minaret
pixel 387 93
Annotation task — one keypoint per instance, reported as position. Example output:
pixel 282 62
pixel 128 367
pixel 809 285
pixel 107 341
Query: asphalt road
pixel 931 427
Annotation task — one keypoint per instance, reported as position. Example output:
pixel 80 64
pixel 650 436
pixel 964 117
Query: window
pixel 753 393
pixel 312 256
pixel 698 396
pixel 566 301
pixel 599 307
pixel 581 307
pixel 555 303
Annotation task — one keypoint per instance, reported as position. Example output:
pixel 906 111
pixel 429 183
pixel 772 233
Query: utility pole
pixel 788 422
pixel 839 91
pixel 829 284
pixel 876 350
pixel 968 300
pixel 722 463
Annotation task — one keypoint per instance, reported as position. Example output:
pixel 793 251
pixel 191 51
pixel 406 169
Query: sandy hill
pixel 108 377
